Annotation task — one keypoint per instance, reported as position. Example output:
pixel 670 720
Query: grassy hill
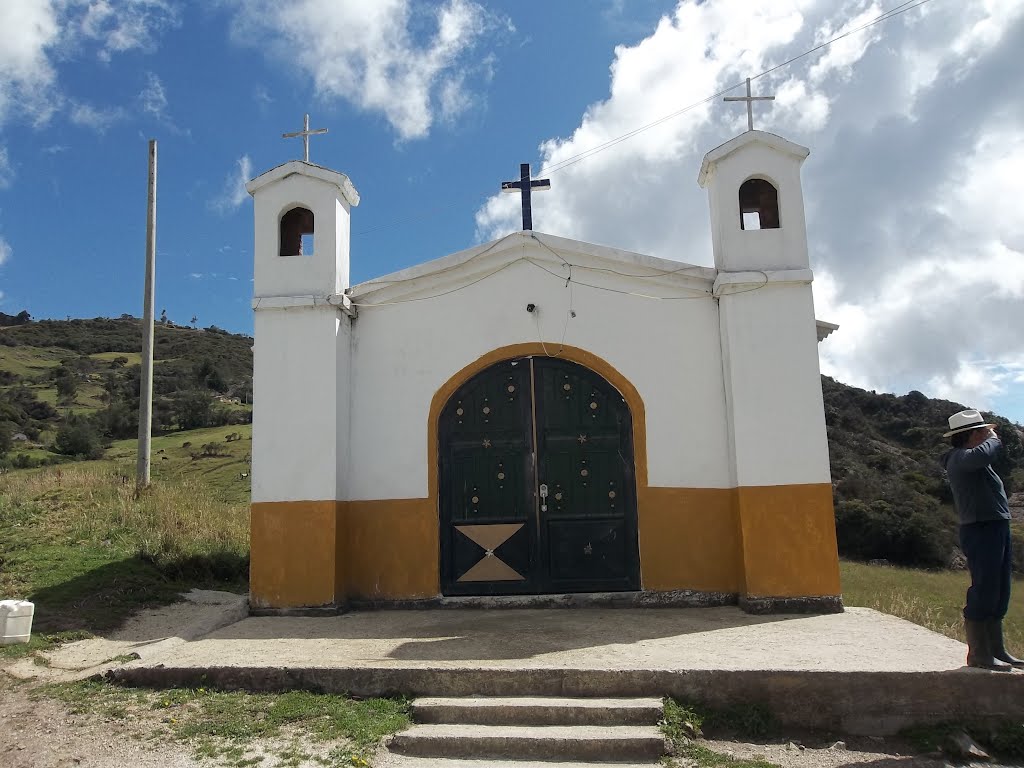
pixel 72 387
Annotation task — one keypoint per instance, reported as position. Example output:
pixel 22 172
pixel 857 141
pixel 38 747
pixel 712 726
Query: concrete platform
pixel 860 671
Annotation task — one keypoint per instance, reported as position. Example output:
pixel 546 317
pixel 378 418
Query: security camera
pixel 530 307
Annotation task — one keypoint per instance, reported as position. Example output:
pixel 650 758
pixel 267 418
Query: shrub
pixel 78 437
pixel 899 533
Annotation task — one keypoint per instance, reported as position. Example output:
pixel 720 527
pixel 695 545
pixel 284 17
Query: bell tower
pixel 301 360
pixel 777 436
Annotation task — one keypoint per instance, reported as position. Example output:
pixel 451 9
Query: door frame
pixel 536 349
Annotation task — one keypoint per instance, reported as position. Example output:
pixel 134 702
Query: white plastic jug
pixel 16 621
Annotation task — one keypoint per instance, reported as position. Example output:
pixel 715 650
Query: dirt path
pixel 43 734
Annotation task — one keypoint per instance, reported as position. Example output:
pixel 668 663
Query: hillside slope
pixel 70 386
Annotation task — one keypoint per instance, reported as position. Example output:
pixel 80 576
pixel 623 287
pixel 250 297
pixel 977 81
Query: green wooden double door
pixel 537 488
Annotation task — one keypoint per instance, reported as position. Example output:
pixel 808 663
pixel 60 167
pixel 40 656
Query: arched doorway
pixel 537 492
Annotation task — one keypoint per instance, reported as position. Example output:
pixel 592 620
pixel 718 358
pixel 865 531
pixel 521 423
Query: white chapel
pixel 469 427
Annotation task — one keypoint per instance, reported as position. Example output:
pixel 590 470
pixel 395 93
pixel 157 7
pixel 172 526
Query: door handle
pixel 543 497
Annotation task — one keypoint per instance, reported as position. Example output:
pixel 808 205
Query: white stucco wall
pixel 736 249
pixel 295 444
pixel 327 270
pixel 403 354
pixel 773 385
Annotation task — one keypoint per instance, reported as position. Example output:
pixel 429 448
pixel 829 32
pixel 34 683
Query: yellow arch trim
pixel 536 349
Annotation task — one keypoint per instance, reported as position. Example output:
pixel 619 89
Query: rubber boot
pixel 995 638
pixel 979 650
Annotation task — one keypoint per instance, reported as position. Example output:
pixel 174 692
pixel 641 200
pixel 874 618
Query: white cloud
pixel 97 118
pixel 153 98
pixel 196 275
pixel 233 193
pixel 844 53
pixel 911 188
pixel 34 34
pixel 369 54
pixel 124 25
pixel 28 29
pixel 5 251
pixel 6 171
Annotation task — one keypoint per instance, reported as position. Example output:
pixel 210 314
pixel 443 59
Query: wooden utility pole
pixel 149 302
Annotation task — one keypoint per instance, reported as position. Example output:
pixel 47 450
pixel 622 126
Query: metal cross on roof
pixel 750 104
pixel 305 133
pixel 525 186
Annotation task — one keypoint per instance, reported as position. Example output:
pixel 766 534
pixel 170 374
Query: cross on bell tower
pixel 305 133
pixel 750 104
pixel 525 186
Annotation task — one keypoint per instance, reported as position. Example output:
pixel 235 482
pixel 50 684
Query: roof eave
pixel 300 167
pixel 738 142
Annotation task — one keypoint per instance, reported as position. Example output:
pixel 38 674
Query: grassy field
pixel 179 456
pixel 933 599
pixel 29 362
pixel 79 542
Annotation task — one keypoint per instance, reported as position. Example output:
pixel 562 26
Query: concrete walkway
pixel 614 639
pixel 859 671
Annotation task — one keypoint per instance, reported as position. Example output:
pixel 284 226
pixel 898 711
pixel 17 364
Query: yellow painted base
pixel 788 540
pixel 688 539
pixel 773 541
pixel 293 558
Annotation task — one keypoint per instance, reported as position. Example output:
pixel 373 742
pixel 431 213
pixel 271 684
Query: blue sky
pixel 74 213
pixel 915 129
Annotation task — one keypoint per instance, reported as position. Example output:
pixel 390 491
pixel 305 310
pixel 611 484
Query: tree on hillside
pixel 67 384
pixel 217 382
pixel 78 437
pixel 118 420
pixel 5 439
pixel 193 409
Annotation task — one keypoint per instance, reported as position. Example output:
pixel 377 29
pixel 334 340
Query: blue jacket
pixel 977 490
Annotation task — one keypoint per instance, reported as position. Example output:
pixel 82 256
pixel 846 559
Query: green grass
pixel 223 724
pixel 220 476
pixel 29 362
pixel 683 724
pixel 933 599
pixel 78 542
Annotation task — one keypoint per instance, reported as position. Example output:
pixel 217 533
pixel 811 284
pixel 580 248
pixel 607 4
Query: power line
pixel 907 5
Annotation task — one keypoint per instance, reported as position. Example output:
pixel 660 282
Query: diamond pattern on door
pixel 489 538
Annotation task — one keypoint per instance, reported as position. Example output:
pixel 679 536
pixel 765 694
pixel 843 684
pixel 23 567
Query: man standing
pixel 984 537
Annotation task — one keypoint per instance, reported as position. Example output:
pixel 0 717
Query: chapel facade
pixel 542 416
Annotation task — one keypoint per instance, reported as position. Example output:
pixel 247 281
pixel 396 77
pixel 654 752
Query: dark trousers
pixel 989 559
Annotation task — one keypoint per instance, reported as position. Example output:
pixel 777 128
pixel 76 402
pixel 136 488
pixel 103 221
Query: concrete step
pixel 590 743
pixel 405 761
pixel 537 711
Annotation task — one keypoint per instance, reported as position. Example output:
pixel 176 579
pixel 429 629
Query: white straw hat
pixel 965 421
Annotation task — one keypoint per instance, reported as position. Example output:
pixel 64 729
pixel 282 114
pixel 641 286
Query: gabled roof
pixel 648 272
pixel 749 137
pixel 292 167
